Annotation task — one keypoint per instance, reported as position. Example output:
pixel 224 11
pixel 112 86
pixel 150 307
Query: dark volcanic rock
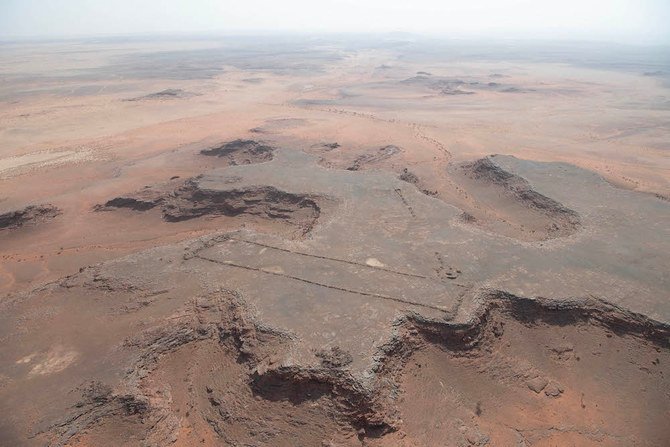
pixel 170 93
pixel 131 203
pixel 409 177
pixel 190 201
pixel 334 357
pixel 30 214
pixel 239 152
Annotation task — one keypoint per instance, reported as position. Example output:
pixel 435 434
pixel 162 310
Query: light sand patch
pixel 57 359
pixel 274 269
pixel 374 262
pixel 26 359
pixel 16 165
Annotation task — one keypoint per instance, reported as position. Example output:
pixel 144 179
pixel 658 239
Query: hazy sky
pixel 618 20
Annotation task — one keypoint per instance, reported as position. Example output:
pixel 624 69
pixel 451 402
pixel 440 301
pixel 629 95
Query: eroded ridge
pixel 209 374
pixel 167 94
pixel 331 155
pixel 564 220
pixel 242 152
pixel 531 372
pixel 29 215
pixel 381 154
pixel 190 201
pixel 517 372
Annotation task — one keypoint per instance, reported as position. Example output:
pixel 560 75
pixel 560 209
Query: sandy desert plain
pixel 334 241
